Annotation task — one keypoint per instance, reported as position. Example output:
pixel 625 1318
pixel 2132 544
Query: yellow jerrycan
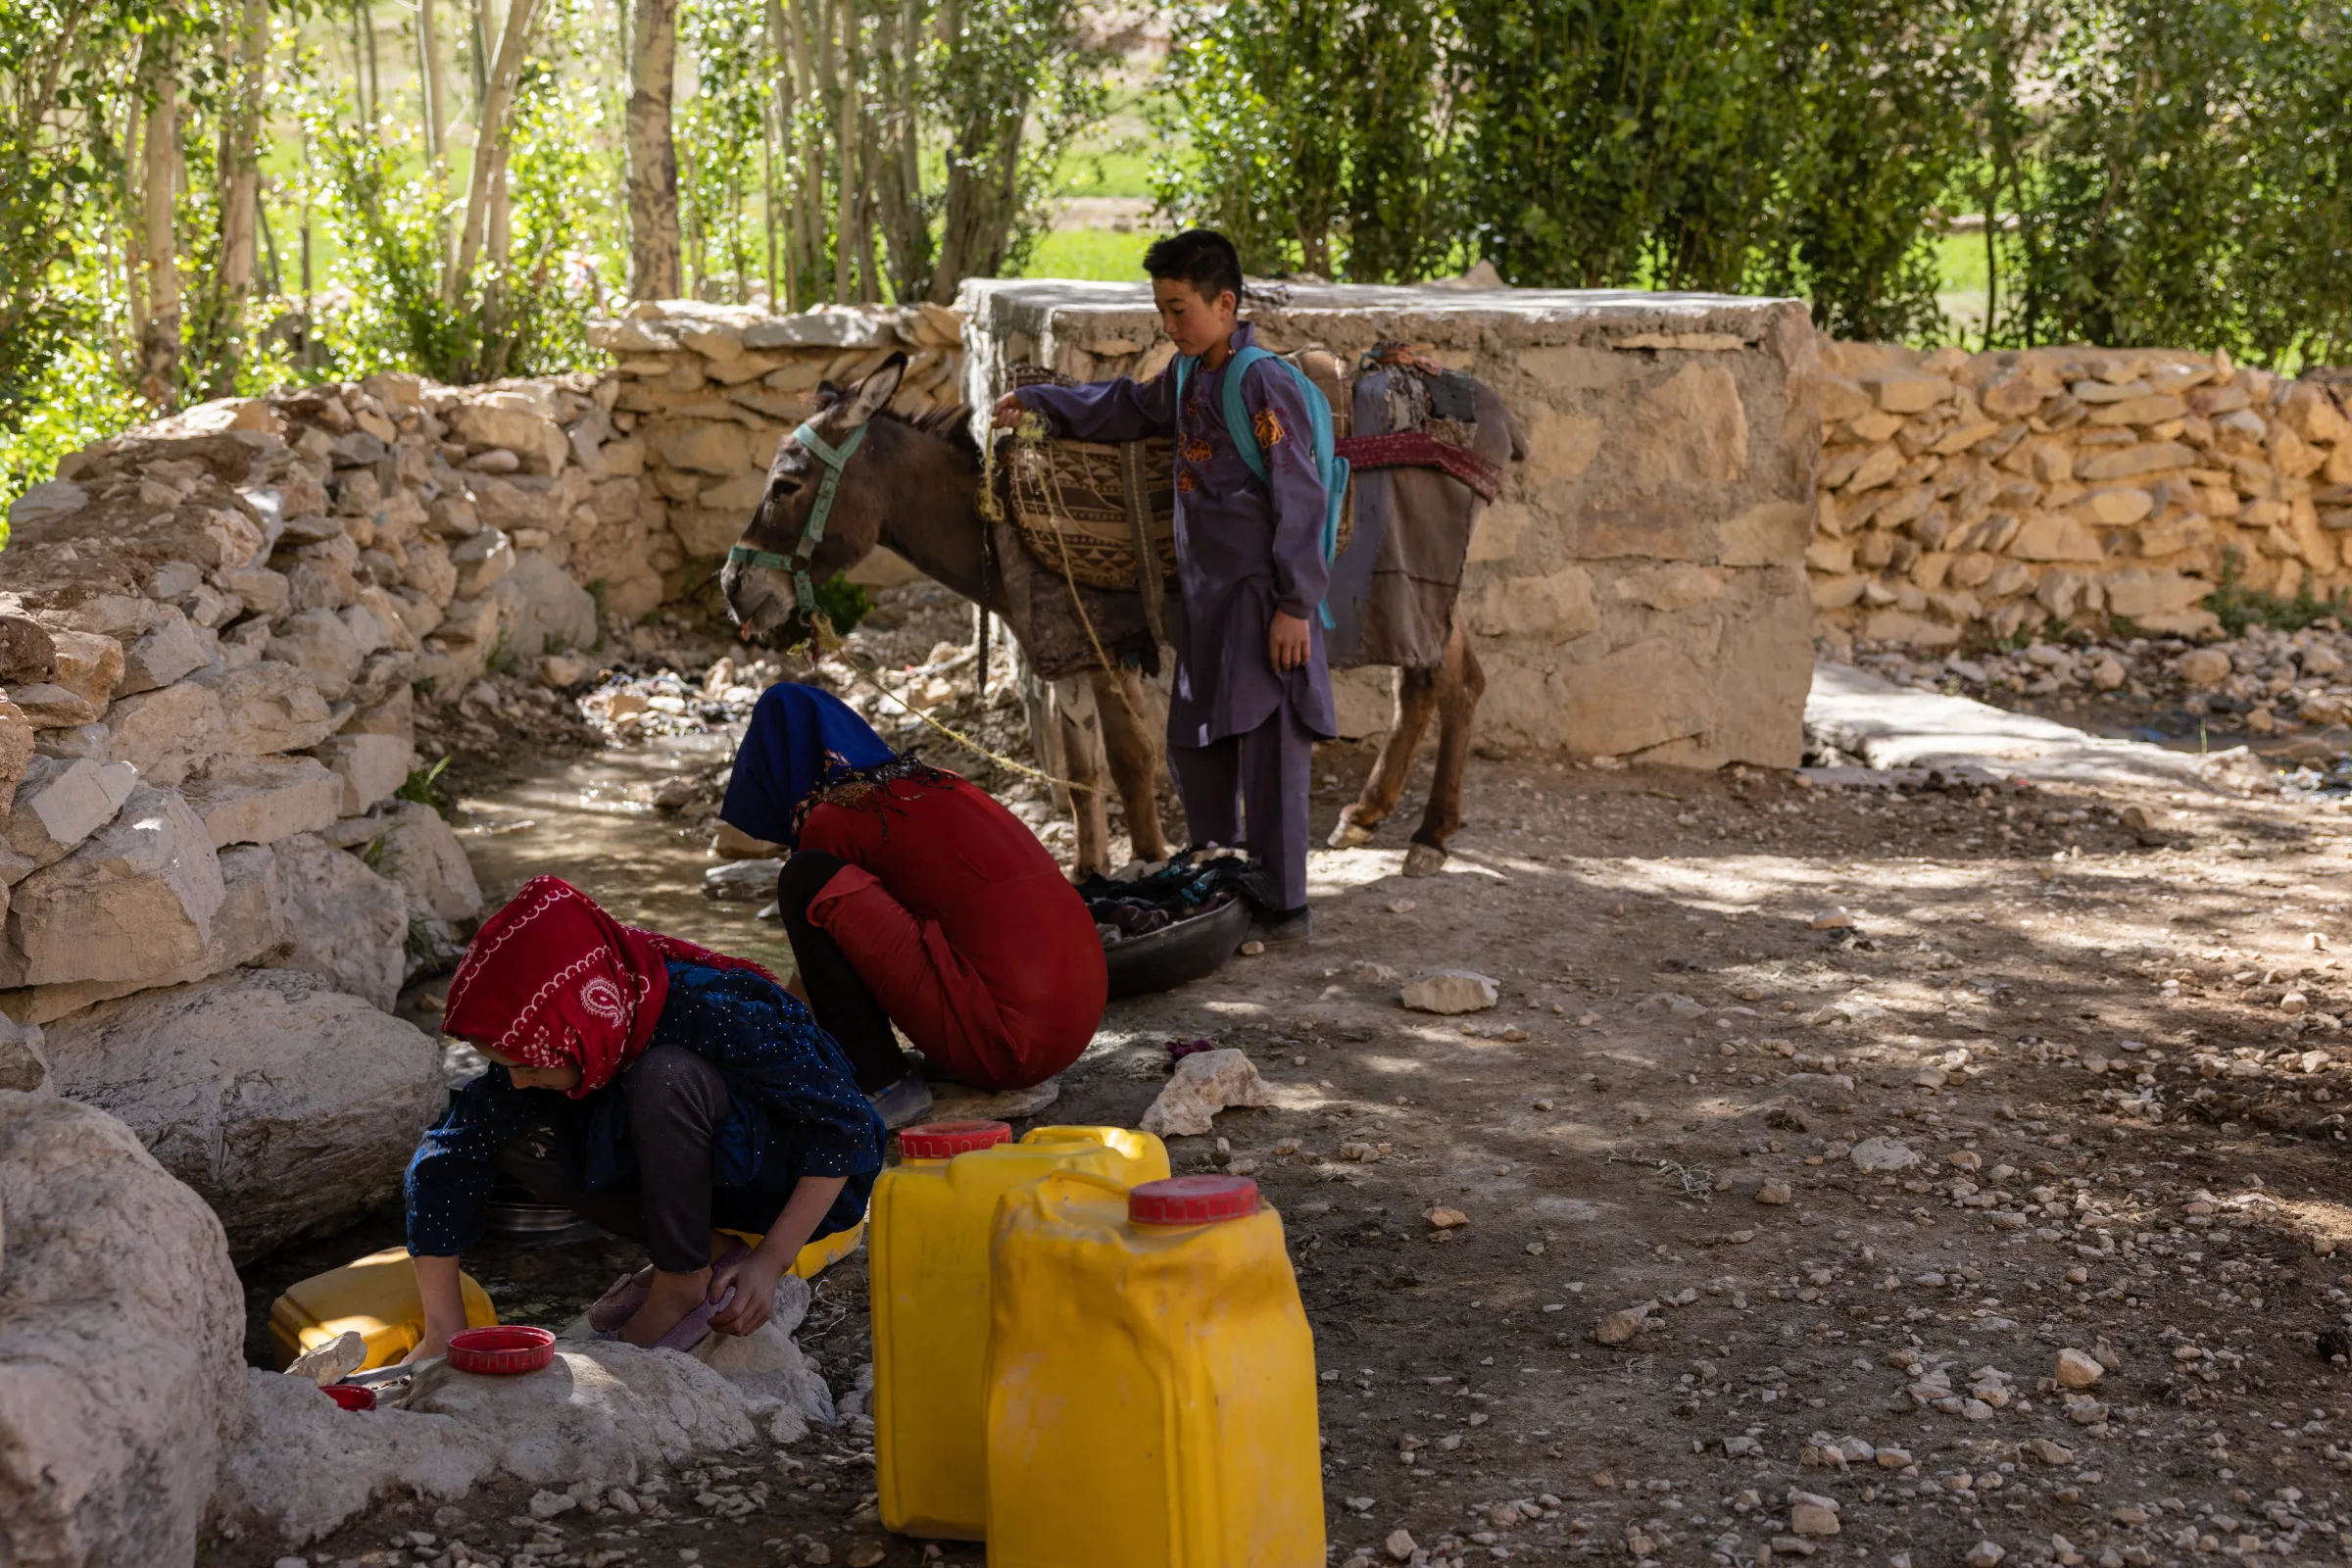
pixel 928 1260
pixel 1151 1381
pixel 377 1295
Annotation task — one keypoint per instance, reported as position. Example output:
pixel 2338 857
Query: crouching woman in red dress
pixel 913 897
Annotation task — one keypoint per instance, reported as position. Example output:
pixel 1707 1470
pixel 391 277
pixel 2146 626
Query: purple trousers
pixel 1251 789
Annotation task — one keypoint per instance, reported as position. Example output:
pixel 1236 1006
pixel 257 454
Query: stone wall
pixel 701 395
pixel 1638 590
pixel 1977 496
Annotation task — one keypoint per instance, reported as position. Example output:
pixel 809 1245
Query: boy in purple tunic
pixel 1252 691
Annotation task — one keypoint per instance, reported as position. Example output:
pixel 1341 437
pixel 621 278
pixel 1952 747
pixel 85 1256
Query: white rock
pixel 1812 1514
pixel 303 1466
pixel 332 1361
pixel 289 1107
pixel 1984 1554
pixel 482 562
pixel 167 732
pixel 601 1413
pixel 544 610
pixel 2077 1369
pixel 1203 1084
pixel 270 706
pixel 742 881
pixel 62 802
pixel 344 923
pixel 1879 1154
pixel 1399 1545
pixel 23 1061
pixel 134 902
pixel 425 858
pixel 121 1327
pixel 371 767
pixel 770 1365
pixel 2203 667
pixel 248 928
pixel 1450 990
pixel 168 649
pixel 1832 920
pixel 321 647
pixel 260 800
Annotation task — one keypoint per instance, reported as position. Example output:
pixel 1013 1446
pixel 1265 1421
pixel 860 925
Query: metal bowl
pixel 1190 950
pixel 526 1222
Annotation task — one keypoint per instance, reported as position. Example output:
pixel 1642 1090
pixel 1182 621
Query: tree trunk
pixel 892 160
pixel 159 247
pixel 806 155
pixel 240 192
pixel 842 67
pixel 434 86
pixel 489 143
pixel 654 262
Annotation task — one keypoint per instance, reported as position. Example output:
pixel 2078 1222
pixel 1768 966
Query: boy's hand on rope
pixel 1007 412
pixel 1288 642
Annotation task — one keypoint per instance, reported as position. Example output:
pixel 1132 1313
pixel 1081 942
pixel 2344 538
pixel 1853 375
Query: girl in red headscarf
pixel 659 1089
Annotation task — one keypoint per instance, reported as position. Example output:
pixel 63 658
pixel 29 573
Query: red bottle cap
pixel 945 1140
pixel 1191 1201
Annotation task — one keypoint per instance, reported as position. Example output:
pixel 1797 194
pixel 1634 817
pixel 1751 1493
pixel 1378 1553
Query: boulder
pixel 344 923
pixel 289 1107
pixel 168 731
pixel 270 706
pixel 303 1465
pixel 543 610
pixel 260 800
pixel 319 644
pixel 46 704
pixel 60 803
pixel 370 766
pixel 264 592
pixel 134 902
pixel 425 858
pixel 122 1326
pixel 27 653
pixel 168 649
pixel 603 1414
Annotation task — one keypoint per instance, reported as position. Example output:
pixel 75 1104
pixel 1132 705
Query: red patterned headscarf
pixel 553 981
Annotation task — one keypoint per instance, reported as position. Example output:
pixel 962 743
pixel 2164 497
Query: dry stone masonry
pixel 1637 588
pixel 1984 496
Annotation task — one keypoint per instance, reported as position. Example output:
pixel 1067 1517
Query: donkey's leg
pixel 1133 730
pixel 1416 700
pixel 1461 681
pixel 1089 770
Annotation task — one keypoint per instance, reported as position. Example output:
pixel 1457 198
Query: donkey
pixel 915 486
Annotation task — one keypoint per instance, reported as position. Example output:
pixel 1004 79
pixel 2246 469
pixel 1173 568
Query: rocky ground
pixel 1926 1175
pixel 2289 695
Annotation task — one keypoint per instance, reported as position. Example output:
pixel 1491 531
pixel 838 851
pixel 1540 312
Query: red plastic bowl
pixel 350 1396
pixel 501 1351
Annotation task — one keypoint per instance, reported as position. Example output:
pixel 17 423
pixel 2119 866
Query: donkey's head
pixel 824 506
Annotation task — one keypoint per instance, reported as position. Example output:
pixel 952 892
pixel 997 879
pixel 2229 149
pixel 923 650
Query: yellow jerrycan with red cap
pixel 1151 1381
pixel 928 1244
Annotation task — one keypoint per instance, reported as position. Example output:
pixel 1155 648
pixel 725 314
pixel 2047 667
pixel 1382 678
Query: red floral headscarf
pixel 553 981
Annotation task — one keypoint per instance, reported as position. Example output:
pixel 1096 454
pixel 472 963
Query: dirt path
pixel 2126 1136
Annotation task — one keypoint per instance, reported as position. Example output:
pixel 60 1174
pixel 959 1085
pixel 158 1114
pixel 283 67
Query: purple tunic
pixel 1240 552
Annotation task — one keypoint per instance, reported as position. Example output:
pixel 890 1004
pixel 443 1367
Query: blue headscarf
pixel 801 739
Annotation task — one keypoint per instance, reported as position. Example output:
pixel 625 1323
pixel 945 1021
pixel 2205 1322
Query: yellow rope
pixel 858 669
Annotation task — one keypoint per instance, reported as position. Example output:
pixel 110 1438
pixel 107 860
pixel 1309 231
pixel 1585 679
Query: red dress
pixel 965 929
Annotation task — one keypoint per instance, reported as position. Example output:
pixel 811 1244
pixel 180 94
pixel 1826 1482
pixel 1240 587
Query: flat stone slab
pixel 955 1103
pixel 1891 727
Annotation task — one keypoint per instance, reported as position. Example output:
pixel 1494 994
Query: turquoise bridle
pixel 835 459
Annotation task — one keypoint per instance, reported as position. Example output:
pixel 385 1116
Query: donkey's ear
pixel 827 394
pixel 873 394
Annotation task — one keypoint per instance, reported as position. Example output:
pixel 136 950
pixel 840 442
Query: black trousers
pixel 844 1006
pixel 676 1101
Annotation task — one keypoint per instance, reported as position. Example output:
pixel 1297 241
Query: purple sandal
pixel 618 1305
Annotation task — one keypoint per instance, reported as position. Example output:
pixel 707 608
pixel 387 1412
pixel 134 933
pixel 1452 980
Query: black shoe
pixel 1289 925
pixel 903 1102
